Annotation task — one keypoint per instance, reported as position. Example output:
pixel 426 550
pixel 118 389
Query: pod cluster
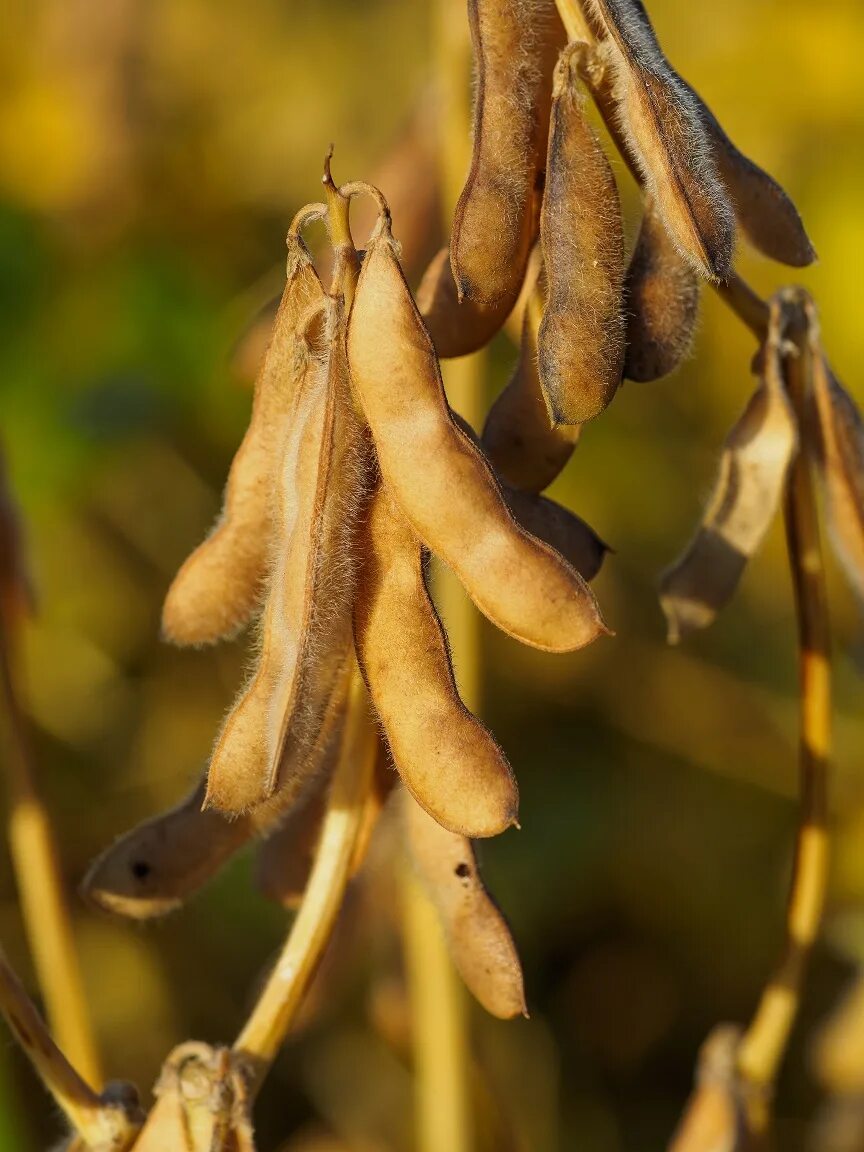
pixel 352 471
pixel 540 215
pixel 754 466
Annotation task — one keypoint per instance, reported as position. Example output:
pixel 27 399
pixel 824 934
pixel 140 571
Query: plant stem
pixel 96 1122
pixel 763 1045
pixel 268 1025
pixel 442 1060
pixel 441 1049
pixel 37 870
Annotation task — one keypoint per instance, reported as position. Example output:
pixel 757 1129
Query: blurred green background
pixel 151 155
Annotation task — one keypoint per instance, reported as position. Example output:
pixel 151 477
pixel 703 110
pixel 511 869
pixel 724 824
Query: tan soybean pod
pixel 518 436
pixel 222 584
pixel 447 759
pixel 306 626
pixel 478 936
pixel 666 137
pixel 456 327
pixel 286 856
pixel 428 464
pixel 841 464
pixel 753 467
pixel 514 44
pixel 581 338
pixel 560 528
pixel 661 302
pixel 156 867
pixel 714 1118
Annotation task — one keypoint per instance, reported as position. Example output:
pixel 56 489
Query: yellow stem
pixel 38 874
pixel 99 1124
pixel 442 1060
pixel 574 21
pixel 268 1025
pixel 765 1041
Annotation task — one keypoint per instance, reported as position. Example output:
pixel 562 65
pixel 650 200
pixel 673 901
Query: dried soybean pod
pixel 581 338
pixel 518 436
pixel 156 867
pixel 456 327
pixel 447 759
pixel 286 856
pixel 666 137
pixel 522 585
pixel 222 584
pixel 478 937
pixel 662 303
pixel 514 43
pixel 841 463
pixel 765 213
pixel 306 626
pixel 560 528
pixel 756 457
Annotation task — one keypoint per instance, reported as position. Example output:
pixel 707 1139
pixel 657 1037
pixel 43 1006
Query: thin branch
pixel 33 847
pixel 765 1042
pixel 271 1018
pixel 101 1124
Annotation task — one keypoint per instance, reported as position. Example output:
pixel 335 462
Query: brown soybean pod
pixel 753 467
pixel 662 303
pixel 841 464
pixel 518 436
pixel 478 936
pixel 666 137
pixel 447 759
pixel 222 584
pixel 456 327
pixel 522 585
pixel 514 43
pixel 306 627
pixel 581 338
pixel 560 528
pixel 157 866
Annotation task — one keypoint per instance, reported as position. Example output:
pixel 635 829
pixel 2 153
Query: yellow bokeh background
pixel 152 153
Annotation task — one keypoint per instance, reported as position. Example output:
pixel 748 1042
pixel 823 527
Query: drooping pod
pixel 715 1117
pixel 514 43
pixel 520 440
pixel 427 463
pixel 665 137
pixel 581 338
pixel 457 327
pixel 478 937
pixel 222 584
pixel 764 211
pixel 753 468
pixel 560 528
pixel 157 866
pixel 841 461
pixel 445 756
pixel 661 301
pixel 306 625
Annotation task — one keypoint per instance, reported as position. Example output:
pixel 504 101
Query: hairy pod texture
pixel 526 449
pixel 581 338
pixel 221 586
pixel 662 302
pixel 305 639
pixel 523 586
pixel 666 137
pixel 477 933
pixel 447 759
pixel 753 468
pixel 514 43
